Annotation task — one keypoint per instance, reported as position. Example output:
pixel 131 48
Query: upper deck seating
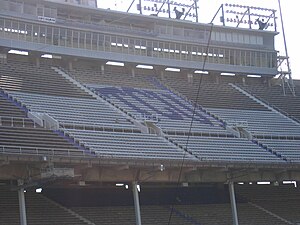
pixel 85 75
pixel 274 96
pixel 172 112
pixel 75 111
pixel 260 123
pixel 9 110
pixel 225 149
pixel 36 141
pixel 211 94
pixel 25 77
pixel 20 135
pixel 128 145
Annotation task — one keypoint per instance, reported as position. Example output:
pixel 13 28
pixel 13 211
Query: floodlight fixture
pixel 17 52
pixel 38 190
pixel 172 69
pixel 112 63
pixel 147 67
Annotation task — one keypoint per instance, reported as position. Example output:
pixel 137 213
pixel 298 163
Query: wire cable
pixel 192 121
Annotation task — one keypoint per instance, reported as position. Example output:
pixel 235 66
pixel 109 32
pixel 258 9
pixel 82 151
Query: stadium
pixel 110 117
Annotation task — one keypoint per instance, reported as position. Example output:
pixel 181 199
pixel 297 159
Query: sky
pixel 208 8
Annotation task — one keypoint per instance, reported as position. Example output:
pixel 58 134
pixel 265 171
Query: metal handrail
pixel 16 121
pixel 40 151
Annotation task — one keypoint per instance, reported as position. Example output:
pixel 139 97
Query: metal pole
pixel 196 10
pixel 233 203
pixel 286 52
pixel 22 207
pixel 141 10
pixel 136 204
pixel 169 9
pixel 130 5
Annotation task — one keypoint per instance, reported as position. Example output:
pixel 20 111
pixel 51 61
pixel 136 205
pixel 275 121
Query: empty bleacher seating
pixel 114 77
pixel 20 135
pixel 25 77
pixel 39 210
pixel 282 200
pixel 274 96
pixel 75 112
pixel 171 112
pixel 288 148
pixel 225 149
pixel 211 94
pixel 263 123
pixel 128 145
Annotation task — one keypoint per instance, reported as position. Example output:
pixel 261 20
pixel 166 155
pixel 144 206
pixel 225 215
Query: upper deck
pixel 82 31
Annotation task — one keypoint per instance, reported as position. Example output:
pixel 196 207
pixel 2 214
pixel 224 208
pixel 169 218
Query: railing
pixel 43 151
pixel 17 122
pixel 198 133
pixel 268 135
pixel 98 127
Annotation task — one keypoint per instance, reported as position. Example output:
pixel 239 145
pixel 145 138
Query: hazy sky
pixel 208 8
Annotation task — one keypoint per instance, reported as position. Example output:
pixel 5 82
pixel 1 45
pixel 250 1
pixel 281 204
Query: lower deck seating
pixel 39 210
pixel 209 205
pixel 282 200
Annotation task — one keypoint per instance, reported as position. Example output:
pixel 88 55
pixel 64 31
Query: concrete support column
pixel 37 61
pixel 22 207
pixel 233 203
pixel 136 204
pixel 133 72
pixel 70 65
pixel 162 74
pixel 102 69
pixel 3 57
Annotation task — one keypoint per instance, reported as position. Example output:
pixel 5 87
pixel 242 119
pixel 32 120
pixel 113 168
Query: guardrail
pixel 97 127
pixel 42 151
pixel 17 122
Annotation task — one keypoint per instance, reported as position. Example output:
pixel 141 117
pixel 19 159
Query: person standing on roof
pixel 178 13
pixel 262 25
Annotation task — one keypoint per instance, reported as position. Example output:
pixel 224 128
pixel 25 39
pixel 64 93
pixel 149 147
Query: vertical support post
pixel 196 10
pixel 249 18
pixel 141 10
pixel 37 62
pixel 169 9
pixel 291 82
pixel 70 65
pixel 102 69
pixel 22 207
pixel 132 72
pixel 233 203
pixel 223 14
pixel 136 204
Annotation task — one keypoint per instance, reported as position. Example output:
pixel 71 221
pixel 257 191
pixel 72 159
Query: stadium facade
pixel 97 102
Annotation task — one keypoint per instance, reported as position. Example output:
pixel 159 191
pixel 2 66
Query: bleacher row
pixel 257 204
pixel 99 126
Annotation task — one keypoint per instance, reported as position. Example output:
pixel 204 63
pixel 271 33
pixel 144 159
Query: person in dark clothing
pixel 262 25
pixel 178 13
